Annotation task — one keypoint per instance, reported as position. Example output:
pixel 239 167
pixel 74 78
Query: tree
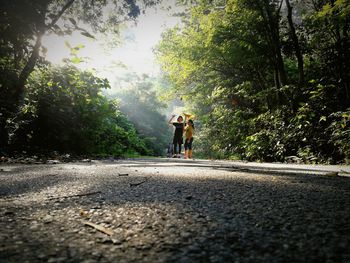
pixel 23 23
pixel 331 39
pixel 39 17
pixel 65 111
pixel 272 86
pixel 295 39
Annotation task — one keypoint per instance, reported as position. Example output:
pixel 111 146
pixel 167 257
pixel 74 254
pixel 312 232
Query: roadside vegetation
pixel 267 79
pixel 62 109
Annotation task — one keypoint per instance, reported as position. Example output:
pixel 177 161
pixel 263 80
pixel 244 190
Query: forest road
pixel 164 210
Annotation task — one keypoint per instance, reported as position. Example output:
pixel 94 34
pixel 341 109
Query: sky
pixel 135 51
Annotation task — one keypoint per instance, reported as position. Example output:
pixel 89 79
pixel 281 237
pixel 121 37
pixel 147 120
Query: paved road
pixel 164 210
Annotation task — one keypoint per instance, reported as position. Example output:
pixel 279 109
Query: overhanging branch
pixel 58 16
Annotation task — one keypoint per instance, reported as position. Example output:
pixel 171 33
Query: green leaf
pixel 346 115
pixel 323 118
pixel 80 46
pixel 76 60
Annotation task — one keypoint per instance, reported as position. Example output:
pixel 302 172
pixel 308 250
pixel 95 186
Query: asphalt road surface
pixel 165 210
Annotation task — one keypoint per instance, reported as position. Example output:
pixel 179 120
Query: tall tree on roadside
pixel 270 13
pixel 297 48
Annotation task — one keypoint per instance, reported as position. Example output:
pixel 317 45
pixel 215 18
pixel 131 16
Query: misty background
pixel 128 62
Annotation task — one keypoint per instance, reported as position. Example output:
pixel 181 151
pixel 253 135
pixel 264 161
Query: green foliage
pixel 237 68
pixel 65 111
pixel 339 128
pixel 23 23
pixel 140 104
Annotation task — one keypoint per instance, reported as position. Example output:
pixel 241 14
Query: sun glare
pixel 133 54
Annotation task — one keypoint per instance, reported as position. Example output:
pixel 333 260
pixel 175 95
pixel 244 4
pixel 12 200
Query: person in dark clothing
pixel 178 135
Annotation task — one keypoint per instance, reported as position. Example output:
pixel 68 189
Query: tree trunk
pixel 276 79
pixel 276 42
pixel 346 48
pixel 295 39
pixel 272 26
pixel 280 65
pixel 28 68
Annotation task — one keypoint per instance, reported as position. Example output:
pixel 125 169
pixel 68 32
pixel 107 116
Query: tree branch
pixel 279 8
pixel 58 16
pixel 29 67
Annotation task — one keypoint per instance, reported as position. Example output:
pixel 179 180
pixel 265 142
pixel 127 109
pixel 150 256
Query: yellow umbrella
pixel 189 116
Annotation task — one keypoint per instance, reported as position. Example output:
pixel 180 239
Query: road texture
pixel 165 210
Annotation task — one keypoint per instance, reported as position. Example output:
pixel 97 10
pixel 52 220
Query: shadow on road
pixel 206 213
pixel 25 179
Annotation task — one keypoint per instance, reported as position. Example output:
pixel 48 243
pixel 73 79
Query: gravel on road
pixel 165 210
